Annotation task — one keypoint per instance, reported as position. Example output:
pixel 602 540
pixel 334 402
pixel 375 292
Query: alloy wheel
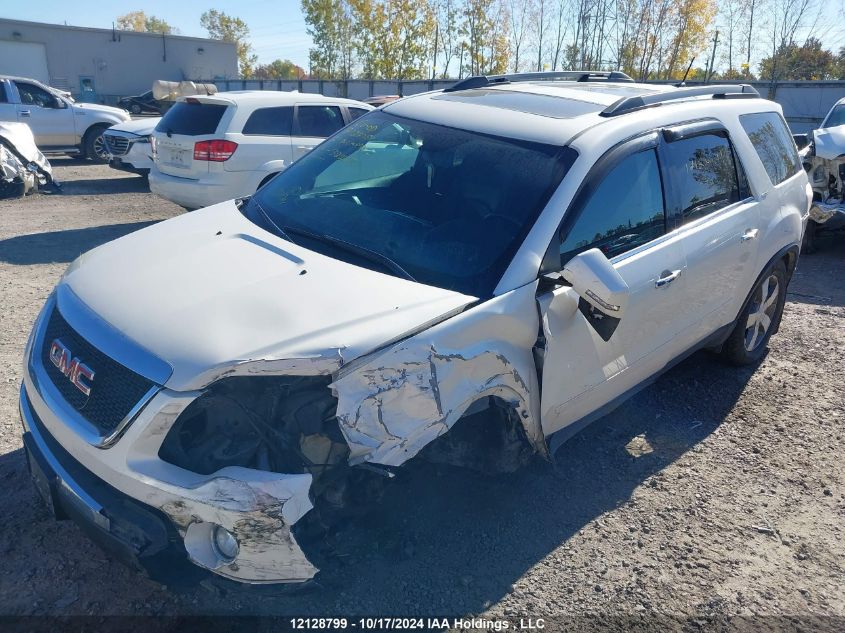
pixel 763 307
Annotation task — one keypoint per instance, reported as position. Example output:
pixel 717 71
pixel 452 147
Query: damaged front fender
pixel 395 402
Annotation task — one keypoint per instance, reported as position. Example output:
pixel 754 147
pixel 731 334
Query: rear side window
pixel 625 210
pixel 773 143
pixel 3 97
pixel 192 119
pixel 270 122
pixel 701 173
pixel 319 121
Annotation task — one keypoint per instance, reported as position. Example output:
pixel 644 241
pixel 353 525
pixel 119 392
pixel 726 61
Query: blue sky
pixel 276 26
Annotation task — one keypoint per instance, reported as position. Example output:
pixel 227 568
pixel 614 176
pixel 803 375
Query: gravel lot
pixel 714 492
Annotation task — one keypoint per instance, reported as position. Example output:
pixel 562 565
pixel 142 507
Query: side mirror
pixel 597 282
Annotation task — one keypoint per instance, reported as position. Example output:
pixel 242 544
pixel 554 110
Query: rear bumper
pixel 136 534
pixel 204 192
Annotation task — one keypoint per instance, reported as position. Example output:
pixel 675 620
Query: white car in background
pixel 208 149
pixel 129 147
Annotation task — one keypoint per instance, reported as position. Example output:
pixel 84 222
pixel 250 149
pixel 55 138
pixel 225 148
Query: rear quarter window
pixel 773 143
pixel 192 119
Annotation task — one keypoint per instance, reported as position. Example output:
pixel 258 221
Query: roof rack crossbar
pixel 482 81
pixel 638 102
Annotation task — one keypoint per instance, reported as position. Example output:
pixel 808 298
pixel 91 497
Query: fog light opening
pixel 225 545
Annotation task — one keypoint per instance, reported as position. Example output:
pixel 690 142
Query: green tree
pixel 484 28
pixel 329 24
pixel 279 69
pixel 809 62
pixel 221 26
pixel 140 21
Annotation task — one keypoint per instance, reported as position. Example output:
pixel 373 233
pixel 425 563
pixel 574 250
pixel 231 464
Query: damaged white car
pixel 823 158
pixel 466 276
pixel 23 168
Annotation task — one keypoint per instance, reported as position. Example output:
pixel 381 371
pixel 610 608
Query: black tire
pixel 759 319
pixel 94 146
pixel 267 179
pixel 808 244
pixel 135 108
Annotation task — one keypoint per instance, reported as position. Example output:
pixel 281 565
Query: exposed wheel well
pixel 489 438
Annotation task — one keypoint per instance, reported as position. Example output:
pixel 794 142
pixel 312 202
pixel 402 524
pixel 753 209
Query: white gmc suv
pixel 468 275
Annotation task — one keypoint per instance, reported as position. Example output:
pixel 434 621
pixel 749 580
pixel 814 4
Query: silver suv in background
pixel 466 276
pixel 59 124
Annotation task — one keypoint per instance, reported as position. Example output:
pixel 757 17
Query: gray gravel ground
pixel 715 492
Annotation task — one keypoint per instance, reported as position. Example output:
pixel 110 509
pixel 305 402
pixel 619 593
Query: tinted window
pixel 450 207
pixel 624 211
pixel 270 122
pixel 836 116
pixel 33 95
pixel 701 174
pixel 191 119
pixel 3 97
pixel 356 112
pixel 773 143
pixel 319 121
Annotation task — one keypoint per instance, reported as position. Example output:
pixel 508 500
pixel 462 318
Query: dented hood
pixel 830 142
pixel 210 290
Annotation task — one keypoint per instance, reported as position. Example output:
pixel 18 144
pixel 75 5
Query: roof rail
pixel 629 104
pixel 482 81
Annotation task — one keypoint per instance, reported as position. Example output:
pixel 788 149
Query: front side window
pixel 701 174
pixel 438 205
pixel 354 113
pixel 33 95
pixel 270 122
pixel 625 210
pixel 773 144
pixel 319 121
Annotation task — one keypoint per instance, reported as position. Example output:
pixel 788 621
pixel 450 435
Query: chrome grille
pixel 116 389
pixel 117 145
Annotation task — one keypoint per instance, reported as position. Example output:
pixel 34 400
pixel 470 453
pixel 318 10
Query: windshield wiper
pixel 267 217
pixel 355 249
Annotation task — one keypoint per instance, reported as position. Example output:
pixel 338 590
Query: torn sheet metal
pixel 22 165
pixel 318 365
pixel 395 402
pixel 822 212
pixel 259 509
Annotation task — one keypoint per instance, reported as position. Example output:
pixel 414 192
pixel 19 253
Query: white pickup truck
pixel 59 124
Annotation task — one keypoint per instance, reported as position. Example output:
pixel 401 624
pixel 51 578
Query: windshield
pixel 441 206
pixel 836 117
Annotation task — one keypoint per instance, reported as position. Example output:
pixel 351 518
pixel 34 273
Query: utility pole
pixel 712 59
pixel 436 43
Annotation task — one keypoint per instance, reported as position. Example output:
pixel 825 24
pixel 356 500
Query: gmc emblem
pixel 75 370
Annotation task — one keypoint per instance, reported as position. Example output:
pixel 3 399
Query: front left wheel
pixel 95 146
pixel 759 319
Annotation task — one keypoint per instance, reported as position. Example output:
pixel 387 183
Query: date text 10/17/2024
pixel 420 624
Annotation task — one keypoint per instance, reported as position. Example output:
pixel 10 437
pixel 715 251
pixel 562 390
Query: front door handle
pixel 749 235
pixel 24 112
pixel 666 278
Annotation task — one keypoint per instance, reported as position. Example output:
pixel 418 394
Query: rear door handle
pixel 749 235
pixel 666 278
pixel 24 112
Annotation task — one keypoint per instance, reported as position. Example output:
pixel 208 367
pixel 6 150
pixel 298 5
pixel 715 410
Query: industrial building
pixel 101 65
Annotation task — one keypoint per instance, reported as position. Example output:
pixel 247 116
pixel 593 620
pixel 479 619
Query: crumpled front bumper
pixel 156 516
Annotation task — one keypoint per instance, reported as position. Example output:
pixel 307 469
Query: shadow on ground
pixel 61 246
pixel 445 540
